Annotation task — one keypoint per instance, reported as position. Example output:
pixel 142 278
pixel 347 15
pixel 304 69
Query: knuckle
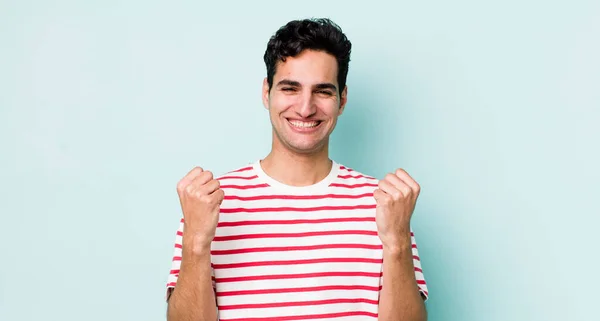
pixel 213 199
pixel 386 198
pixel 189 189
pixel 196 195
pixel 194 172
pixel 205 198
pixel 219 195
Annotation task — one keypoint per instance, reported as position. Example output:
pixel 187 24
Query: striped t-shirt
pixel 297 253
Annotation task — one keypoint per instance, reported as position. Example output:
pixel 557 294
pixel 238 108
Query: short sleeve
pixel 419 275
pixel 176 262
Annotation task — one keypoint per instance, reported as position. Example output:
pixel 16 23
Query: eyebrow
pixel 327 86
pixel 293 83
pixel 287 82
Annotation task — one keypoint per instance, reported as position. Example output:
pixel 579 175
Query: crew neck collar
pixel 321 185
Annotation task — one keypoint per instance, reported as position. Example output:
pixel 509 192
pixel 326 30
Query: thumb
pixel 378 194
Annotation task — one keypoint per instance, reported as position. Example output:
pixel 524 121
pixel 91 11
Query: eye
pixel 289 89
pixel 325 92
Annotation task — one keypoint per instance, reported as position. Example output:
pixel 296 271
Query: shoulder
pixel 354 176
pixel 352 181
pixel 242 179
pixel 240 171
pixel 354 188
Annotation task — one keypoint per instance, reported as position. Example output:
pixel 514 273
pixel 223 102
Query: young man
pixel 297 236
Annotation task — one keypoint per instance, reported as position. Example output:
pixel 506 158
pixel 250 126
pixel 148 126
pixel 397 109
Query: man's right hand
pixel 200 196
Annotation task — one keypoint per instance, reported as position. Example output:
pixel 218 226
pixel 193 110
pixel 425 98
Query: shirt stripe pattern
pixel 296 253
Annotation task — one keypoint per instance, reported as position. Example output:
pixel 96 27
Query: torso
pixel 299 252
pixel 296 253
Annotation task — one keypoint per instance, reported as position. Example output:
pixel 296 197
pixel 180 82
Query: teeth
pixel 303 124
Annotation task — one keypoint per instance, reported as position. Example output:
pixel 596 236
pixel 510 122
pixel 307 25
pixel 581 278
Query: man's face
pixel 305 101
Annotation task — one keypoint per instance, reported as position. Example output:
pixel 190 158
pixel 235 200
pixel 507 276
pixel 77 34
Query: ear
pixel 343 100
pixel 265 93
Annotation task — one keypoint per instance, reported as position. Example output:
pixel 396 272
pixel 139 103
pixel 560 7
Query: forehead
pixel 309 67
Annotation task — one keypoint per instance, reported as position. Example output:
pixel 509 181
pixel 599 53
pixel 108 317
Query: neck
pixel 296 169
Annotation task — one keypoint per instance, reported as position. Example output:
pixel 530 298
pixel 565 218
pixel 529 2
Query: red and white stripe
pixel 296 254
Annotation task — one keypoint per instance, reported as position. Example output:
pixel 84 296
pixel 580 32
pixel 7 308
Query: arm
pixel 400 296
pixel 194 298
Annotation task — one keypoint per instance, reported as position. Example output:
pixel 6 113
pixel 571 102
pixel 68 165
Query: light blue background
pixel 492 106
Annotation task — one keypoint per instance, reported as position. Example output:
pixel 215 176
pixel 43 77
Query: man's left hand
pixel 396 198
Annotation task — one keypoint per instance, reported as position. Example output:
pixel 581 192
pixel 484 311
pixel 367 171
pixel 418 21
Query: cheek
pixel 331 108
pixel 280 102
pixel 278 105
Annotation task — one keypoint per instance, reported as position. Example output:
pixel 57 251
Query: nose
pixel 307 106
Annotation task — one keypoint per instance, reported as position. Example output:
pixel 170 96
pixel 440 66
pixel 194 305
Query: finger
pixel 202 179
pixel 389 189
pixel 210 187
pixel 220 194
pixel 398 184
pixel 189 177
pixel 379 195
pixel 408 180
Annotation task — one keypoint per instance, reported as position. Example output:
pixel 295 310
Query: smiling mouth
pixel 304 124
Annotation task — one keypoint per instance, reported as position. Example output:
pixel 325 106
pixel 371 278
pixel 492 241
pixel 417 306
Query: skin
pixel 305 89
pixel 396 198
pixel 200 196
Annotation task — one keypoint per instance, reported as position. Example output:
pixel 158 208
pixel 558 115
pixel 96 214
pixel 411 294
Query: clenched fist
pixel 200 196
pixel 396 198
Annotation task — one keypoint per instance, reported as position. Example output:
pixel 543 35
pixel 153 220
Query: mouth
pixel 304 126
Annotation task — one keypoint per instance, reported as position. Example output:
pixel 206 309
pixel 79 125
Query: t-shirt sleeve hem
pixel 169 291
pixel 424 294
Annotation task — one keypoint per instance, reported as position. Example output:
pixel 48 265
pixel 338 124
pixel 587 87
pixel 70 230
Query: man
pixel 297 236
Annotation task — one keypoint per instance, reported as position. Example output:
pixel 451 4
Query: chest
pixel 287 234
pixel 289 253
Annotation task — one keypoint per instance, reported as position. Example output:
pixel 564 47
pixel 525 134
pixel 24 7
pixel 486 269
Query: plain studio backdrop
pixel 493 107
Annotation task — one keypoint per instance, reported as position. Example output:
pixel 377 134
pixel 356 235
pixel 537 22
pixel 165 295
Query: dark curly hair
pixel 319 34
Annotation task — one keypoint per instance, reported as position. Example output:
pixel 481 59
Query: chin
pixel 306 148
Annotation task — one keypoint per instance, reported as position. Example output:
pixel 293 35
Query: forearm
pixel 193 299
pixel 400 299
